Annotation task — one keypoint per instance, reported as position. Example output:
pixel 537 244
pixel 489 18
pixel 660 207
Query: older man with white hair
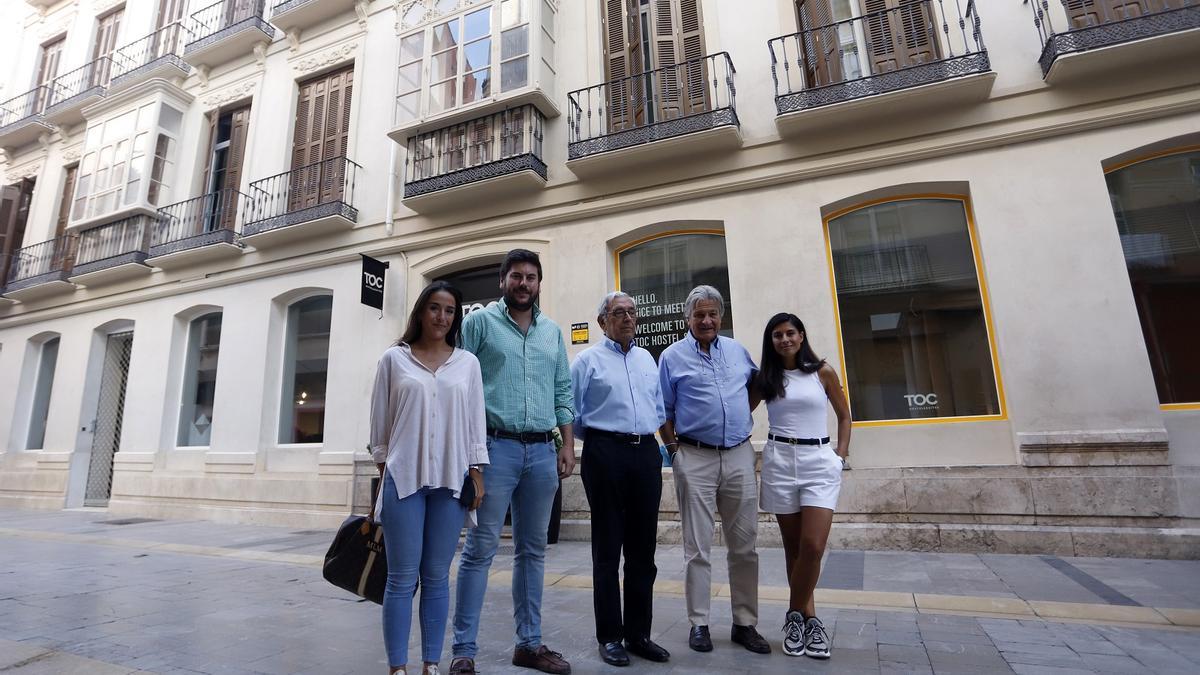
pixel 619 408
pixel 704 380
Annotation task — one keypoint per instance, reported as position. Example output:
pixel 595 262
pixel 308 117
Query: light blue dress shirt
pixel 705 394
pixel 616 391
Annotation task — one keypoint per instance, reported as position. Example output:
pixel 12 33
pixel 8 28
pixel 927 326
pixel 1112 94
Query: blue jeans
pixel 524 475
pixel 420 533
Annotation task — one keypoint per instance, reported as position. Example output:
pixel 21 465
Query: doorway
pixel 110 411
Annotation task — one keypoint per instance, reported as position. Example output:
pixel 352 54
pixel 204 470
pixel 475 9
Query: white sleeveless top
pixel 802 411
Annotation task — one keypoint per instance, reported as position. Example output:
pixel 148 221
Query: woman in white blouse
pixel 428 434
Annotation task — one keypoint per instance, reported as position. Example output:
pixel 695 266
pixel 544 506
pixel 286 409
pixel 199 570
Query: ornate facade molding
pixel 99 7
pixel 27 170
pixel 72 154
pixel 230 94
pixel 313 62
pixel 360 10
pixel 52 27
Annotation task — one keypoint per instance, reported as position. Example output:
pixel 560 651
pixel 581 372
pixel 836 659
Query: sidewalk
pixel 81 591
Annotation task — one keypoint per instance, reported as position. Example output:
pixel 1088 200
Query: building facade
pixel 986 212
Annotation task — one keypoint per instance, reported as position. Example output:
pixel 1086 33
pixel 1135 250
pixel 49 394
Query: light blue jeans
pixel 420 533
pixel 524 475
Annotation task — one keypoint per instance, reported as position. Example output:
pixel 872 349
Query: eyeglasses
pixel 623 313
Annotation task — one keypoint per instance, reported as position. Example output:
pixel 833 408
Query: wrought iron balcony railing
pixel 118 243
pixel 200 221
pixel 31 104
pixel 89 79
pixel 221 19
pixel 494 145
pixel 1091 24
pixel 164 45
pixel 692 96
pixel 919 42
pixel 41 263
pixel 319 190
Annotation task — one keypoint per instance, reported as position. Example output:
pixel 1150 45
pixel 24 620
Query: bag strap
pixel 375 496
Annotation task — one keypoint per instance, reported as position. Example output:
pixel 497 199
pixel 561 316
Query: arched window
pixel 911 311
pixel 480 286
pixel 306 364
pixel 1157 206
pixel 199 380
pixel 40 411
pixel 661 271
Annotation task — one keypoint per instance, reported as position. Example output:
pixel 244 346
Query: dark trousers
pixel 623 482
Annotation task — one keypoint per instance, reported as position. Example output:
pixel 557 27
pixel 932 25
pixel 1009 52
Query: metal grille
pixel 109 412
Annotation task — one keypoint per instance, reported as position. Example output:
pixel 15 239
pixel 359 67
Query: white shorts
pixel 794 476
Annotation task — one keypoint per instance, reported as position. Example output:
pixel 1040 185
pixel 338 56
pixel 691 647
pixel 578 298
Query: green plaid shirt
pixel 526 377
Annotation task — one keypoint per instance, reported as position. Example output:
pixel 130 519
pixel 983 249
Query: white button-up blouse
pixel 428 427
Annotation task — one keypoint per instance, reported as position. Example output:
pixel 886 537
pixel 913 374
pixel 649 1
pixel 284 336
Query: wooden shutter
pixel 170 11
pixel 621 34
pixel 64 203
pixel 322 132
pixel 900 34
pixel 678 38
pixel 9 195
pixel 691 46
pixel 107 27
pixel 47 71
pixel 213 118
pixel 239 129
pixel 822 51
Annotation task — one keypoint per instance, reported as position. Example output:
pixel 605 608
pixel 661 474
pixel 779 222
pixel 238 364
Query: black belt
pixel 632 439
pixel 798 441
pixel 708 446
pixel 523 436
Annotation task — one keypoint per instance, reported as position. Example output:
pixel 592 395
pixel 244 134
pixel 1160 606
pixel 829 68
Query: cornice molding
pixel 234 92
pixel 312 62
pixel 100 7
pixel 51 27
pixel 26 170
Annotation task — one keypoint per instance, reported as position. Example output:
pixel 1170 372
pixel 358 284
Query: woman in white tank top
pixel 801 471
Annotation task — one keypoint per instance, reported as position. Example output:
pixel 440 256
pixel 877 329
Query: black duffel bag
pixel 357 560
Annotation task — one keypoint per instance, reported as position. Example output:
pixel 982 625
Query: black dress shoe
pixel 614 654
pixel 699 640
pixel 646 649
pixel 749 638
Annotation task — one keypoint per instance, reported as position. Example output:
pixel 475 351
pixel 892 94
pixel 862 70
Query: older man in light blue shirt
pixel 704 380
pixel 619 407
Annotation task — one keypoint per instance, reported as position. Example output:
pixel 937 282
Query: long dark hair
pixel 769 380
pixel 413 332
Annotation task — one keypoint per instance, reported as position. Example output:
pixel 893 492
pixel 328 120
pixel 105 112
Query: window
pixel 118 153
pixel 47 360
pixel 306 363
pixel 453 62
pixel 1157 207
pixel 913 327
pixel 199 380
pixel 659 274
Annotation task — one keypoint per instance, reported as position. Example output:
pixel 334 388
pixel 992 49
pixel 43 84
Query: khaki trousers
pixel 708 481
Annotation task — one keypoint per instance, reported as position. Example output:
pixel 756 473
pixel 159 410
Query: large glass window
pixel 306 364
pixel 453 61
pixel 659 274
pixel 480 286
pixel 199 380
pixel 118 153
pixel 913 326
pixel 1157 207
pixel 47 360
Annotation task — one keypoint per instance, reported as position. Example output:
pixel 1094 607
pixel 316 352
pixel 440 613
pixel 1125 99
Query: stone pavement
pixel 85 592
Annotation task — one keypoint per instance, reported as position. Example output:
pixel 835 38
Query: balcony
pixel 226 30
pixel 671 112
pixel 21 118
pixel 922 56
pixel 41 270
pixel 295 15
pixel 485 158
pixel 197 231
pixel 71 92
pixel 113 252
pixel 1103 36
pixel 309 201
pixel 156 55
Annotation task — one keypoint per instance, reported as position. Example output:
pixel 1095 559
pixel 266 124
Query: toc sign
pixel 373 273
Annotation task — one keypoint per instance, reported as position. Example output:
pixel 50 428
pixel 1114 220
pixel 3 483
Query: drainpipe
pixel 389 218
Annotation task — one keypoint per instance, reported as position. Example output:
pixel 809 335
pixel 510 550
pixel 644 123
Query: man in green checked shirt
pixel 527 393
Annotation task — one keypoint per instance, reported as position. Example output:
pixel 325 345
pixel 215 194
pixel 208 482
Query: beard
pixel 510 299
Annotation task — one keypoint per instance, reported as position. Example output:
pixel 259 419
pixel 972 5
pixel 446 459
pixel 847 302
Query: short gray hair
pixel 607 301
pixel 703 293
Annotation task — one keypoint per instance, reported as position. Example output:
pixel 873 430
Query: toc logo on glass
pixel 921 400
pixel 373 281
